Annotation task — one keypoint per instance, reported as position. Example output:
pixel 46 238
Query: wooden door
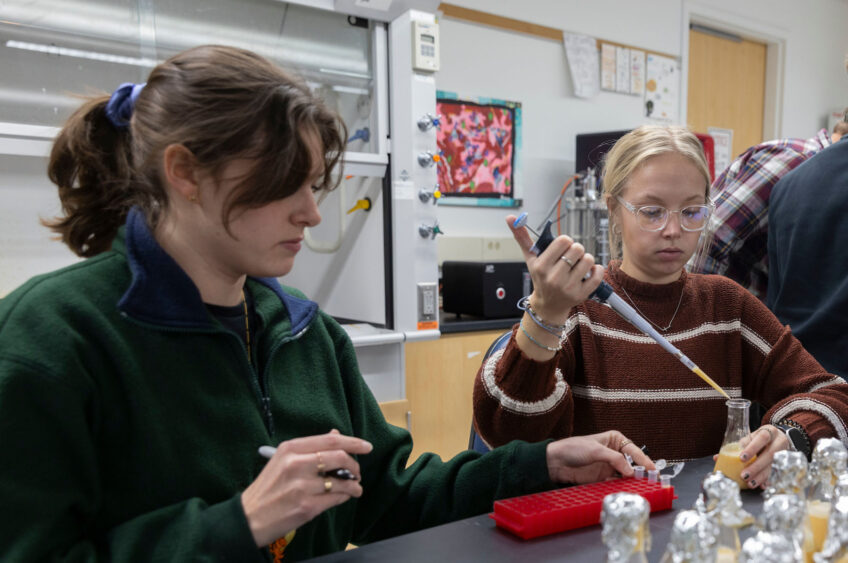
pixel 439 383
pixel 726 87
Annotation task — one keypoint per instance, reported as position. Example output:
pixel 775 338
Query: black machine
pixel 484 289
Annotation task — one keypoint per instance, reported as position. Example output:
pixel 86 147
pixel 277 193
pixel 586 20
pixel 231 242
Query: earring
pixel 614 227
pixel 193 198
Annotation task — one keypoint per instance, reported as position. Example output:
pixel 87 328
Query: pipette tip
pixel 700 373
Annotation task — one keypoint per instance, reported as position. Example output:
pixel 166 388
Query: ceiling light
pixel 80 54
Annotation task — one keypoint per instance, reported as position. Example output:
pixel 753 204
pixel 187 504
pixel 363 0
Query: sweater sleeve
pixel 50 486
pixel 516 398
pixel 783 376
pixel 400 499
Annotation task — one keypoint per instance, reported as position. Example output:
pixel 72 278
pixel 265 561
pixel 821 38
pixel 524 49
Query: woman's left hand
pixel 765 442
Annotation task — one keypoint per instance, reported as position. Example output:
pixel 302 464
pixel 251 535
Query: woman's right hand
pixel 558 275
pixel 290 491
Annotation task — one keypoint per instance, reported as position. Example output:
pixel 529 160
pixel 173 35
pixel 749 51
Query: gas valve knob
pixel 427 159
pixel 430 231
pixel 426 196
pixel 428 121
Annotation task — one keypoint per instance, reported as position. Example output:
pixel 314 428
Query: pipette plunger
pixel 521 221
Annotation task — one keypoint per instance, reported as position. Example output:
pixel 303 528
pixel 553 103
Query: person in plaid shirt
pixel 740 220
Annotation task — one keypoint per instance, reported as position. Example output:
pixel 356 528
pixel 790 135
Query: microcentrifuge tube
pixel 665 481
pixel 652 475
pixel 639 471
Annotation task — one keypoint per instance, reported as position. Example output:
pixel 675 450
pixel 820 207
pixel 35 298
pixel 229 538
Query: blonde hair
pixel 632 151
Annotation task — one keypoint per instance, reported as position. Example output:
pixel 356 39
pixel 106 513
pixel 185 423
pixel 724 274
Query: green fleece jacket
pixel 130 420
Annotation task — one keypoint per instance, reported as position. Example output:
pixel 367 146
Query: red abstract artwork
pixel 477 144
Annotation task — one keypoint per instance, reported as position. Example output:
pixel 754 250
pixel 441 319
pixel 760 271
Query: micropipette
pixel 604 294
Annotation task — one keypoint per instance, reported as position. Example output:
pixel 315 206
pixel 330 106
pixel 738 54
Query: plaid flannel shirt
pixel 739 248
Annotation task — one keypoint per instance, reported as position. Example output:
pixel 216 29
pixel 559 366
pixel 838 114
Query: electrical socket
pixel 428 305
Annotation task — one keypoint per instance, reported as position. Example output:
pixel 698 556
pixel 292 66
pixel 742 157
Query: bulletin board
pixel 478 140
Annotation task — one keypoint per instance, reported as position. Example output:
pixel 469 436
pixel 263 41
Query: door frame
pixel 775 40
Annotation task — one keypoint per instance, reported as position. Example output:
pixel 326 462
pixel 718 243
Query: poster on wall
pixel 723 139
pixel 662 88
pixel 581 51
pixel 478 139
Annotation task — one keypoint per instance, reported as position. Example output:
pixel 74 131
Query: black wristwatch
pixel 798 438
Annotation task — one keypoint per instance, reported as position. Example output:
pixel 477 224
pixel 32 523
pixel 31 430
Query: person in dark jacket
pixel 808 283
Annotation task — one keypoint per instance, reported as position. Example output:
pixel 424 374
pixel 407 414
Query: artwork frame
pixel 479 141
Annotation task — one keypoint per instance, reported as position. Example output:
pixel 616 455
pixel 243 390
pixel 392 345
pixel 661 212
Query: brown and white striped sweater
pixel 609 375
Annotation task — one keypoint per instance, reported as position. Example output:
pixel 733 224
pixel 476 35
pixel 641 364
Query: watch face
pixel 795 437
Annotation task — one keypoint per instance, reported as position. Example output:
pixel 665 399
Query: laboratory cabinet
pixel 439 384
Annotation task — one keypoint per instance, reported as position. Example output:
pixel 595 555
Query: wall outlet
pixel 428 305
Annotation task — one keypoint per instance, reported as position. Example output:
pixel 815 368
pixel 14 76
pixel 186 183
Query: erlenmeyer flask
pixel 735 439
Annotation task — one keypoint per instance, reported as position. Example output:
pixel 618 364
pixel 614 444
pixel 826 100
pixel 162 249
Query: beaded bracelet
pixel 524 305
pixel 534 341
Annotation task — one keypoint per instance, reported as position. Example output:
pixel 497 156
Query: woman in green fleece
pixel 137 385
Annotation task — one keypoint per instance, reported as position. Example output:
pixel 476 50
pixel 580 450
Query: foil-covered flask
pixel 720 501
pixel 783 515
pixel 835 549
pixel 789 474
pixel 829 462
pixel 766 547
pixel 626 534
pixel 693 539
pixel 841 488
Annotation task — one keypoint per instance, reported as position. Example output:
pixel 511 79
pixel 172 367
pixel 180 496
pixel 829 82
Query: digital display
pixel 428 38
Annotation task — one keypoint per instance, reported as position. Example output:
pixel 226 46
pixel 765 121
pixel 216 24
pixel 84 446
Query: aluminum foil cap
pixel 841 489
pixel 720 500
pixel 693 539
pixel 830 460
pixel 836 544
pixel 784 515
pixel 624 517
pixel 767 547
pixel 788 474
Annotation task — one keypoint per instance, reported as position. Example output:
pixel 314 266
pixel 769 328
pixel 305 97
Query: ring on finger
pixel 321 466
pixel 567 260
pixel 770 433
pixel 328 485
pixel 624 443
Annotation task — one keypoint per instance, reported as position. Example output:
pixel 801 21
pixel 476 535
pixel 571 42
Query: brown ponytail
pixel 90 164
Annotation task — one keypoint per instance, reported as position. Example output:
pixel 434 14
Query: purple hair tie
pixel 119 108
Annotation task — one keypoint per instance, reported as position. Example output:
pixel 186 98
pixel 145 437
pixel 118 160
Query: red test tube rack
pixel 540 514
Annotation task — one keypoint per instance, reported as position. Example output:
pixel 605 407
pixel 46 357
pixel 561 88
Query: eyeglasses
pixel 655 217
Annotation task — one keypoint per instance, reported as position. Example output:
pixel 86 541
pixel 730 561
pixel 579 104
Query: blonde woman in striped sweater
pixel 582 369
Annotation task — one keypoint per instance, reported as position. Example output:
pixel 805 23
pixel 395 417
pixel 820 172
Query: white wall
pixel 484 61
pixel 26 247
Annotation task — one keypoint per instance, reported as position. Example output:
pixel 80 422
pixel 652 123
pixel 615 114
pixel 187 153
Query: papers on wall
pixel 662 88
pixel 637 72
pixel 723 150
pixel 608 68
pixel 622 70
pixel 582 54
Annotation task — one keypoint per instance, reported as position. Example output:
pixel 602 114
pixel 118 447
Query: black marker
pixel 340 473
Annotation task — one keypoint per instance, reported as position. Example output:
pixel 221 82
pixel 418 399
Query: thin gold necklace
pixel 662 328
pixel 246 327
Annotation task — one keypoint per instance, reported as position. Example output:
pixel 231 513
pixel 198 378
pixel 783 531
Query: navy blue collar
pixel 162 293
